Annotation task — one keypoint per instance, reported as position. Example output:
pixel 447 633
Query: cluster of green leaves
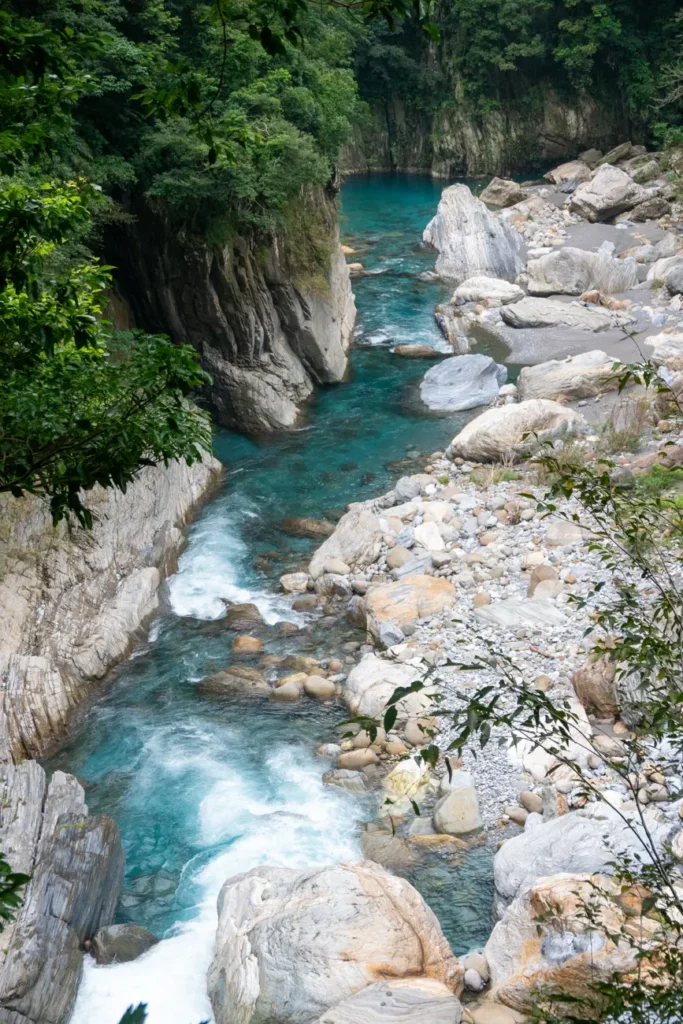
pixel 499 50
pixel 73 413
pixel 12 885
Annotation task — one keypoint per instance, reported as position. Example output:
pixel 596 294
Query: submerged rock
pixel 302 526
pixel 462 382
pixel 291 944
pixel 470 240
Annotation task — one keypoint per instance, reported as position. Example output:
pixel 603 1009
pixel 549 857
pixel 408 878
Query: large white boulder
pixel 356 541
pixel 581 376
pixel 404 1001
pixel 667 349
pixel 371 683
pixel 291 944
pixel 535 312
pixel 609 193
pixel 491 290
pixel 511 431
pixel 570 271
pixel 462 382
pixel 572 842
pixel 546 944
pixel 470 240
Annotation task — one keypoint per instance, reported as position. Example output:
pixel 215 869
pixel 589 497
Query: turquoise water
pixel 203 789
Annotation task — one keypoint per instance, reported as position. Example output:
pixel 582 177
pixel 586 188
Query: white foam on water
pixel 210 568
pixel 301 825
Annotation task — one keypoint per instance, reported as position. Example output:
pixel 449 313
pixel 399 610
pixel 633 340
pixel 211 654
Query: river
pixel 204 789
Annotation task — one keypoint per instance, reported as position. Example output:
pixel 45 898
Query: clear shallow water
pixel 204 789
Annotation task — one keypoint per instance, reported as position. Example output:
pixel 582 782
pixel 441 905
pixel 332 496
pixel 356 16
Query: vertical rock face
pixel 73 600
pixel 471 241
pixel 76 867
pixel 270 321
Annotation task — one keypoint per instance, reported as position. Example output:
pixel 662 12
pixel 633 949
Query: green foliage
pixel 72 416
pixel 135 1015
pixel 12 886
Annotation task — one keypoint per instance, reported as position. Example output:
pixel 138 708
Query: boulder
pixel 371 683
pixel 667 350
pixel 237 679
pixel 650 209
pixel 76 867
pixel 391 851
pixel 501 192
pixel 294 582
pixel 242 616
pixel 590 156
pixel 407 600
pixel 291 944
pixel 490 290
pixel 645 172
pixel 317 686
pixel 121 943
pixel 674 280
pixel 470 241
pixel 546 944
pixel 594 685
pixel 429 537
pixel 512 431
pixel 356 541
pixel 406 1001
pixel 582 376
pixel 458 812
pixel 609 193
pixel 417 352
pixel 562 532
pixel 462 382
pixel 574 170
pixel 572 842
pixel 659 271
pixel 620 152
pixel 570 271
pixel 536 312
pixel 346 778
pixel 247 645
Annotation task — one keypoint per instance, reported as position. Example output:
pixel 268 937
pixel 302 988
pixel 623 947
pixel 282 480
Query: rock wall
pixel 457 140
pixel 75 863
pixel 73 600
pixel 269 320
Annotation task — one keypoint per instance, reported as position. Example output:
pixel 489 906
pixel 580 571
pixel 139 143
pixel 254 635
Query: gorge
pixel 340 517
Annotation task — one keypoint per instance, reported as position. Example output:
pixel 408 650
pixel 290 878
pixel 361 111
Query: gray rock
pixel 291 944
pixel 357 539
pixel 346 778
pixel 501 192
pixel 356 613
pixel 582 376
pixel 76 868
pixel 572 843
pixel 463 382
pixel 391 851
pixel 650 209
pixel 646 172
pixel 536 312
pixel 420 561
pixel 516 612
pixel 610 192
pixel 510 431
pixel 674 280
pixel 120 943
pixel 458 812
pixel 570 271
pixel 407 488
pixel 470 241
pixel 398 1001
pixel 491 290
pixel 620 152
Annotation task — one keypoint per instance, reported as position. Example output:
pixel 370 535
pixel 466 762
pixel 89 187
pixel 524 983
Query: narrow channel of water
pixel 204 789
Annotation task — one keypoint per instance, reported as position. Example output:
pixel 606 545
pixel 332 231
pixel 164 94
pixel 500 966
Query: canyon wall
pixel 270 318
pixel 74 600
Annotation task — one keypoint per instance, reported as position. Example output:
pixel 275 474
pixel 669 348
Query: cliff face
pixel 456 140
pixel 268 330
pixel 73 601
